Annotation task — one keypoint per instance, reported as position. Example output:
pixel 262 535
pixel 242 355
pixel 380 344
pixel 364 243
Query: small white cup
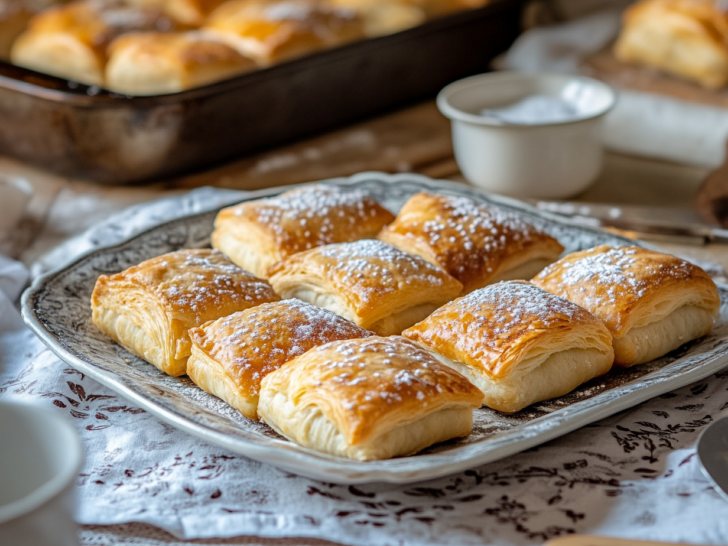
pixel 540 160
pixel 40 456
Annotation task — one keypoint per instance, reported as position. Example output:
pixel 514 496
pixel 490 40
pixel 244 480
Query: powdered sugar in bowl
pixel 528 135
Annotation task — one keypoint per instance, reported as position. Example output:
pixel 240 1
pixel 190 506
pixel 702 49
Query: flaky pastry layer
pixel 509 329
pixel 150 307
pixel 629 287
pixel 477 245
pixel 368 398
pixel 377 286
pixel 232 355
pixel 257 234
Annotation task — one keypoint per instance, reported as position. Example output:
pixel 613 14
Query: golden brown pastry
pixel 70 41
pixel 368 282
pixel 371 398
pixel 191 12
pixel 232 355
pixel 155 63
pixel 477 245
pixel 257 234
pixel 686 38
pixel 149 308
pixel 517 343
pixel 651 302
pixel 271 31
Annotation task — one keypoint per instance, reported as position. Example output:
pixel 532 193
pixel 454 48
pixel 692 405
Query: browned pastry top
pixel 309 217
pixel 252 343
pixel 496 327
pixel 628 286
pixel 366 385
pixel 375 279
pixel 194 286
pixel 98 22
pixel 472 242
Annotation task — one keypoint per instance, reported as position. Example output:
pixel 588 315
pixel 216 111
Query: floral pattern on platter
pixel 57 307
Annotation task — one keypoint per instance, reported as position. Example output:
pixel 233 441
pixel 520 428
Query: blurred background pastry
pixel 71 41
pixel 155 63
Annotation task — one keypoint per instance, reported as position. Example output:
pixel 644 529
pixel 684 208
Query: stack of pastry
pixel 151 47
pixel 362 349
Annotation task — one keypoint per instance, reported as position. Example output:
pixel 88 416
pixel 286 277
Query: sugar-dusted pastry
pixel 155 63
pixel 517 343
pixel 371 398
pixel 149 308
pixel 232 355
pixel 686 38
pixel 70 41
pixel 477 245
pixel 257 234
pixel 651 302
pixel 272 31
pixel 368 282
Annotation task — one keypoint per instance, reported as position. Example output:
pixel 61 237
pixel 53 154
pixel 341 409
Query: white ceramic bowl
pixel 40 456
pixel 546 160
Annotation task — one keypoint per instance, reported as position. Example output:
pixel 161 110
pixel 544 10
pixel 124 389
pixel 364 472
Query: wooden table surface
pixel 416 139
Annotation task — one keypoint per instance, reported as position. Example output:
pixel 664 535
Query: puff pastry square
pixel 70 41
pixel 232 355
pixel 651 302
pixel 371 398
pixel 149 308
pixel 272 31
pixel 257 234
pixel 477 245
pixel 517 343
pixel 686 38
pixel 368 282
pixel 155 63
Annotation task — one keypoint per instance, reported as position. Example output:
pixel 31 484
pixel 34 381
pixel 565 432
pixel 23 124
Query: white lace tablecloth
pixel 632 475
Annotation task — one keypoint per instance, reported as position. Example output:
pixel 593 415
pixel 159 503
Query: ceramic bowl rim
pixel 480 80
pixel 62 479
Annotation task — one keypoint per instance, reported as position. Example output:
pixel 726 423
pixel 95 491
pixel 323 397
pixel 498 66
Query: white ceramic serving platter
pixel 57 308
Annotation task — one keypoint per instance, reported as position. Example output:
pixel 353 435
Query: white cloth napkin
pixel 632 475
pixel 641 123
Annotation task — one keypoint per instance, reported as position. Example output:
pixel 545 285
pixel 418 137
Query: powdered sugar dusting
pixel 202 284
pixel 374 268
pixel 371 377
pixel 317 215
pixel 252 343
pixel 469 240
pixel 487 323
pixel 603 279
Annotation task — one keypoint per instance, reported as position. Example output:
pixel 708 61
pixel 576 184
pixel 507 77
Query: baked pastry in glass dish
pixel 257 234
pixel 651 302
pixel 70 41
pixel 232 355
pixel 371 398
pixel 517 343
pixel 155 63
pixel 149 308
pixel 368 282
pixel 477 245
pixel 271 31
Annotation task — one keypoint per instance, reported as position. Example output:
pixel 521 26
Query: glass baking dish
pixel 108 138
